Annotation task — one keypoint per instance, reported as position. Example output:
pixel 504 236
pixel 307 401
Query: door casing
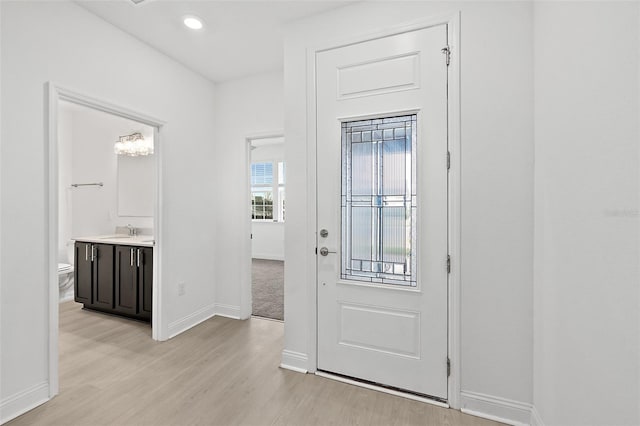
pixel 452 20
pixel 246 300
pixel 55 93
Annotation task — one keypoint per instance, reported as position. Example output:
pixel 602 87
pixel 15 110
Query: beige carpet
pixel 267 289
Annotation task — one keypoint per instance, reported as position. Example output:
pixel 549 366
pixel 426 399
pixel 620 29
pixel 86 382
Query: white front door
pixel 382 200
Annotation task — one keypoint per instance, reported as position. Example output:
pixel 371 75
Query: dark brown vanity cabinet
pixel 134 281
pixel 93 278
pixel 115 279
pixel 83 275
pixel 103 276
pixel 126 282
pixel 145 282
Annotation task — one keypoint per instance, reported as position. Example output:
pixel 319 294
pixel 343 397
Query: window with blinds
pixel 268 191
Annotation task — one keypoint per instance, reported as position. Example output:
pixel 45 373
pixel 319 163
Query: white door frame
pixel 452 20
pixel 56 93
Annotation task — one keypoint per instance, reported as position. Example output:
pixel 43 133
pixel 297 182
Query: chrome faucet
pixel 132 231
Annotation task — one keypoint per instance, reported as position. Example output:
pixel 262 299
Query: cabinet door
pixel 83 273
pixel 103 276
pixel 126 280
pixel 145 282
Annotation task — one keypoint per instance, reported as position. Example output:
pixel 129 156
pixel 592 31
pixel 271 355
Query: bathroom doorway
pixel 103 206
pixel 101 192
pixel 267 188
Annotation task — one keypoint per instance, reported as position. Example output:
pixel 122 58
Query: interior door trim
pixel 54 93
pixel 452 21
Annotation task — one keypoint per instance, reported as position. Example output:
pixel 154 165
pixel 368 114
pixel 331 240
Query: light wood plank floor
pixel 222 372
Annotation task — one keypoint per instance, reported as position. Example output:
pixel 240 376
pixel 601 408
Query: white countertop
pixel 123 240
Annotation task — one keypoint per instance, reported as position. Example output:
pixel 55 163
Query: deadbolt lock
pixel 324 233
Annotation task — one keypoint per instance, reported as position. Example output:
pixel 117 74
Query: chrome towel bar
pixel 75 185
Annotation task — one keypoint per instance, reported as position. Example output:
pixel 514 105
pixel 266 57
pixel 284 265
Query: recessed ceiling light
pixel 193 22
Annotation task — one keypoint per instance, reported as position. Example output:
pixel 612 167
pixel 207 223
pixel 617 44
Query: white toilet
pixel 65 275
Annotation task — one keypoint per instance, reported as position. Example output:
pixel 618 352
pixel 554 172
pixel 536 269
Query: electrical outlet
pixel 182 289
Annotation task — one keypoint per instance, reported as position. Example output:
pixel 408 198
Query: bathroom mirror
pixel 135 185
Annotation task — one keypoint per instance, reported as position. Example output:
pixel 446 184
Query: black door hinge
pixel 448 367
pixel 448 264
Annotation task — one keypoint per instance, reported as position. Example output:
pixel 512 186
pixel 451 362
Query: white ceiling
pixel 240 38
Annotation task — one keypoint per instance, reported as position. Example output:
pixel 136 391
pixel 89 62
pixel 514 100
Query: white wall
pixel 587 212
pixel 497 186
pixel 267 237
pixel 59 41
pixel 65 179
pixel 65 207
pixel 246 107
pixel 268 240
pixel 94 209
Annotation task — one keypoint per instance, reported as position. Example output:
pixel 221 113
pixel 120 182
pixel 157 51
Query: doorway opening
pixel 105 208
pixel 103 200
pixel 267 187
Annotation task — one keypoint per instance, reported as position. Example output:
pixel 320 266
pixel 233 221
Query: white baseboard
pixel 267 257
pixel 295 361
pixel 21 402
pixel 191 320
pixel 496 408
pixel 536 420
pixel 228 311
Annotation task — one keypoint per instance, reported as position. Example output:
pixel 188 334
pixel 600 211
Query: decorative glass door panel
pixel 379 200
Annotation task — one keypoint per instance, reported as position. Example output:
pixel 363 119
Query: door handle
pixel 325 251
pixel 131 256
pixel 132 264
pixel 138 259
pixel 93 252
pixel 86 252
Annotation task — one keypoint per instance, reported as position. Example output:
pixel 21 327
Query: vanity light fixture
pixel 133 145
pixel 193 22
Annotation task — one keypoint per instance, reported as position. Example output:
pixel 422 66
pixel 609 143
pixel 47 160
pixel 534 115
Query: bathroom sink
pixel 116 239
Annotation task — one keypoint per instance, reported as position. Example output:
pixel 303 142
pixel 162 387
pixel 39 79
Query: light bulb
pixel 193 22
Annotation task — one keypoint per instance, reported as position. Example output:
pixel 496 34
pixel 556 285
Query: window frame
pixel 275 188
